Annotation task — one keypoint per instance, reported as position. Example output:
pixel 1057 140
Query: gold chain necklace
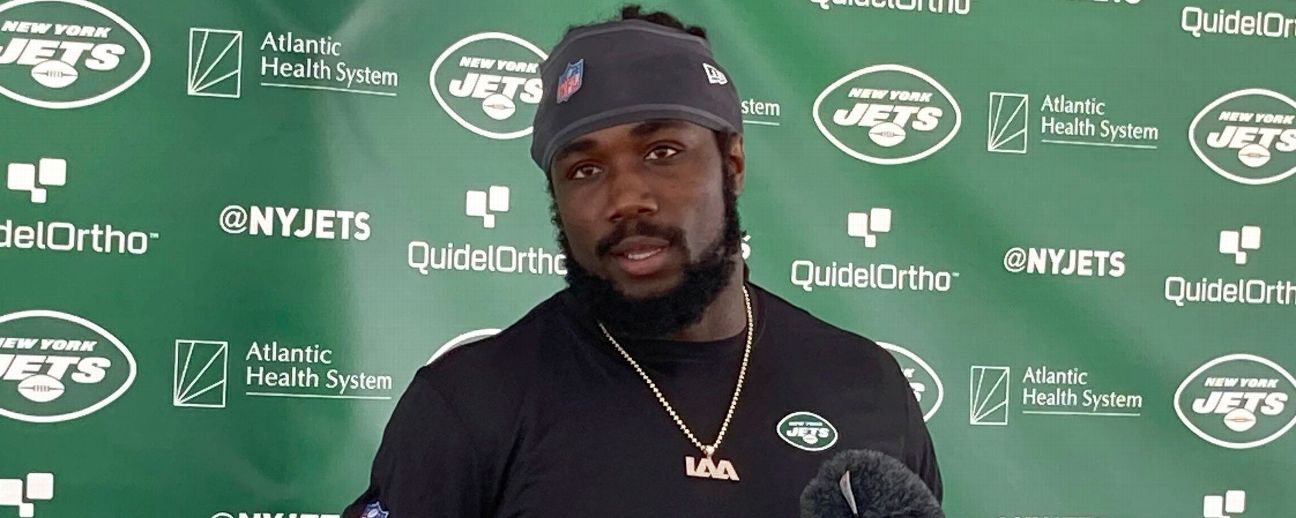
pixel 704 468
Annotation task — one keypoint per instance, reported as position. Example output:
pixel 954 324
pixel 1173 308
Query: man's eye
pixel 584 171
pixel 661 152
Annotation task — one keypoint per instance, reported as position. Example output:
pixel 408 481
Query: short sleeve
pixel 427 465
pixel 920 452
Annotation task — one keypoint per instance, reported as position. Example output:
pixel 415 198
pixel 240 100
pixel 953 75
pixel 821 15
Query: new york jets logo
pixel 807 431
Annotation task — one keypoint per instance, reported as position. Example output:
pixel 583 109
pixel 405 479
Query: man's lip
pixel 638 244
pixel 645 262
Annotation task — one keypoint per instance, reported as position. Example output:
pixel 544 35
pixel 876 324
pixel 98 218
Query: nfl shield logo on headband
pixel 570 80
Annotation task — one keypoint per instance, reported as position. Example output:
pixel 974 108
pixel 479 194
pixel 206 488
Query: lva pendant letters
pixel 705 468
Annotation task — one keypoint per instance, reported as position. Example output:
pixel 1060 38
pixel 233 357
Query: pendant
pixel 706 468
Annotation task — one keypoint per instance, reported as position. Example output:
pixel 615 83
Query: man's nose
pixel 629 194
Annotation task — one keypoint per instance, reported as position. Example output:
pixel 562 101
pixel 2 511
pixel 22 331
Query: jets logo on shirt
pixel 807 431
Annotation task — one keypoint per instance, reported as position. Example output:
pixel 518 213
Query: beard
pixel 678 307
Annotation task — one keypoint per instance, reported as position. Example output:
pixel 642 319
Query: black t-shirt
pixel 546 419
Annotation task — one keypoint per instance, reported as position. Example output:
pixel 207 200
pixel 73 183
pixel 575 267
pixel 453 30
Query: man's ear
pixel 737 162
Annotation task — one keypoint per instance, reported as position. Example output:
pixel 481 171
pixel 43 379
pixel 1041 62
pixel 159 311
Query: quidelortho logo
pixel 1238 246
pixel 270 369
pixel 325 224
pixel 867 225
pixel 955 7
pixel 1247 136
pixel 490 84
pixel 807 431
pixel 887 114
pixel 923 381
pixel 1234 22
pixel 35 179
pixel 14 492
pixel 809 274
pixel 1062 119
pixel 1237 401
pixel 32 181
pixel 1239 243
pixel 484 204
pixel 58 367
pixel 1231 503
pixel 1065 262
pixel 426 257
pixel 67 53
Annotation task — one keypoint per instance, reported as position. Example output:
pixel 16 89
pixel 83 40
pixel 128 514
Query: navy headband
pixel 629 71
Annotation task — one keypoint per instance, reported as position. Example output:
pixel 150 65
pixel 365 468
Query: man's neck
pixel 725 317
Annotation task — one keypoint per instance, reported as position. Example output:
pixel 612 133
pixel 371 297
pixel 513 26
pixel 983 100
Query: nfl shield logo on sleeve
pixel 571 79
pixel 374 510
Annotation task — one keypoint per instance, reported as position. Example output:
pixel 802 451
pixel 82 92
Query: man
pixel 659 383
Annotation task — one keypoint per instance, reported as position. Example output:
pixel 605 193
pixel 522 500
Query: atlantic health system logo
pixel 298 61
pixel 215 63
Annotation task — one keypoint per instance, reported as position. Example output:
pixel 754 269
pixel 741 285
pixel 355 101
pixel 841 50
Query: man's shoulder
pixel 483 349
pixel 787 319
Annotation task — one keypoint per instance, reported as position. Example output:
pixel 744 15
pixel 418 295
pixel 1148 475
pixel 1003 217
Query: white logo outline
pixel 940 387
pixel 63 105
pixel 1228 444
pixel 446 106
pixel 1192 136
pixel 958 115
pixel 67 317
pixel 198 86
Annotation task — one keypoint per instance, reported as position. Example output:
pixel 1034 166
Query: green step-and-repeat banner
pixel 232 230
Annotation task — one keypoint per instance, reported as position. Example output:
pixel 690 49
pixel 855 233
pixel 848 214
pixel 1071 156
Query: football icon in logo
pixel 54 73
pixel 498 107
pixel 1239 420
pixel 1253 155
pixel 40 388
pixel 887 134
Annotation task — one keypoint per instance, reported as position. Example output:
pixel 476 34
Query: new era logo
pixel 14 493
pixel 868 224
pixel 1238 242
pixel 33 178
pixel 215 63
pixel 714 75
pixel 481 204
pixel 1231 503
pixel 1008 125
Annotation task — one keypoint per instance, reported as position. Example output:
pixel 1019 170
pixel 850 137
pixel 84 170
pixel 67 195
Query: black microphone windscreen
pixel 880 487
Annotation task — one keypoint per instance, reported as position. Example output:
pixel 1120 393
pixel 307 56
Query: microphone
pixel 867 484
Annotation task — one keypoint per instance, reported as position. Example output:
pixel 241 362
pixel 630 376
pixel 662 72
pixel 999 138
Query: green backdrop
pixel 231 232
